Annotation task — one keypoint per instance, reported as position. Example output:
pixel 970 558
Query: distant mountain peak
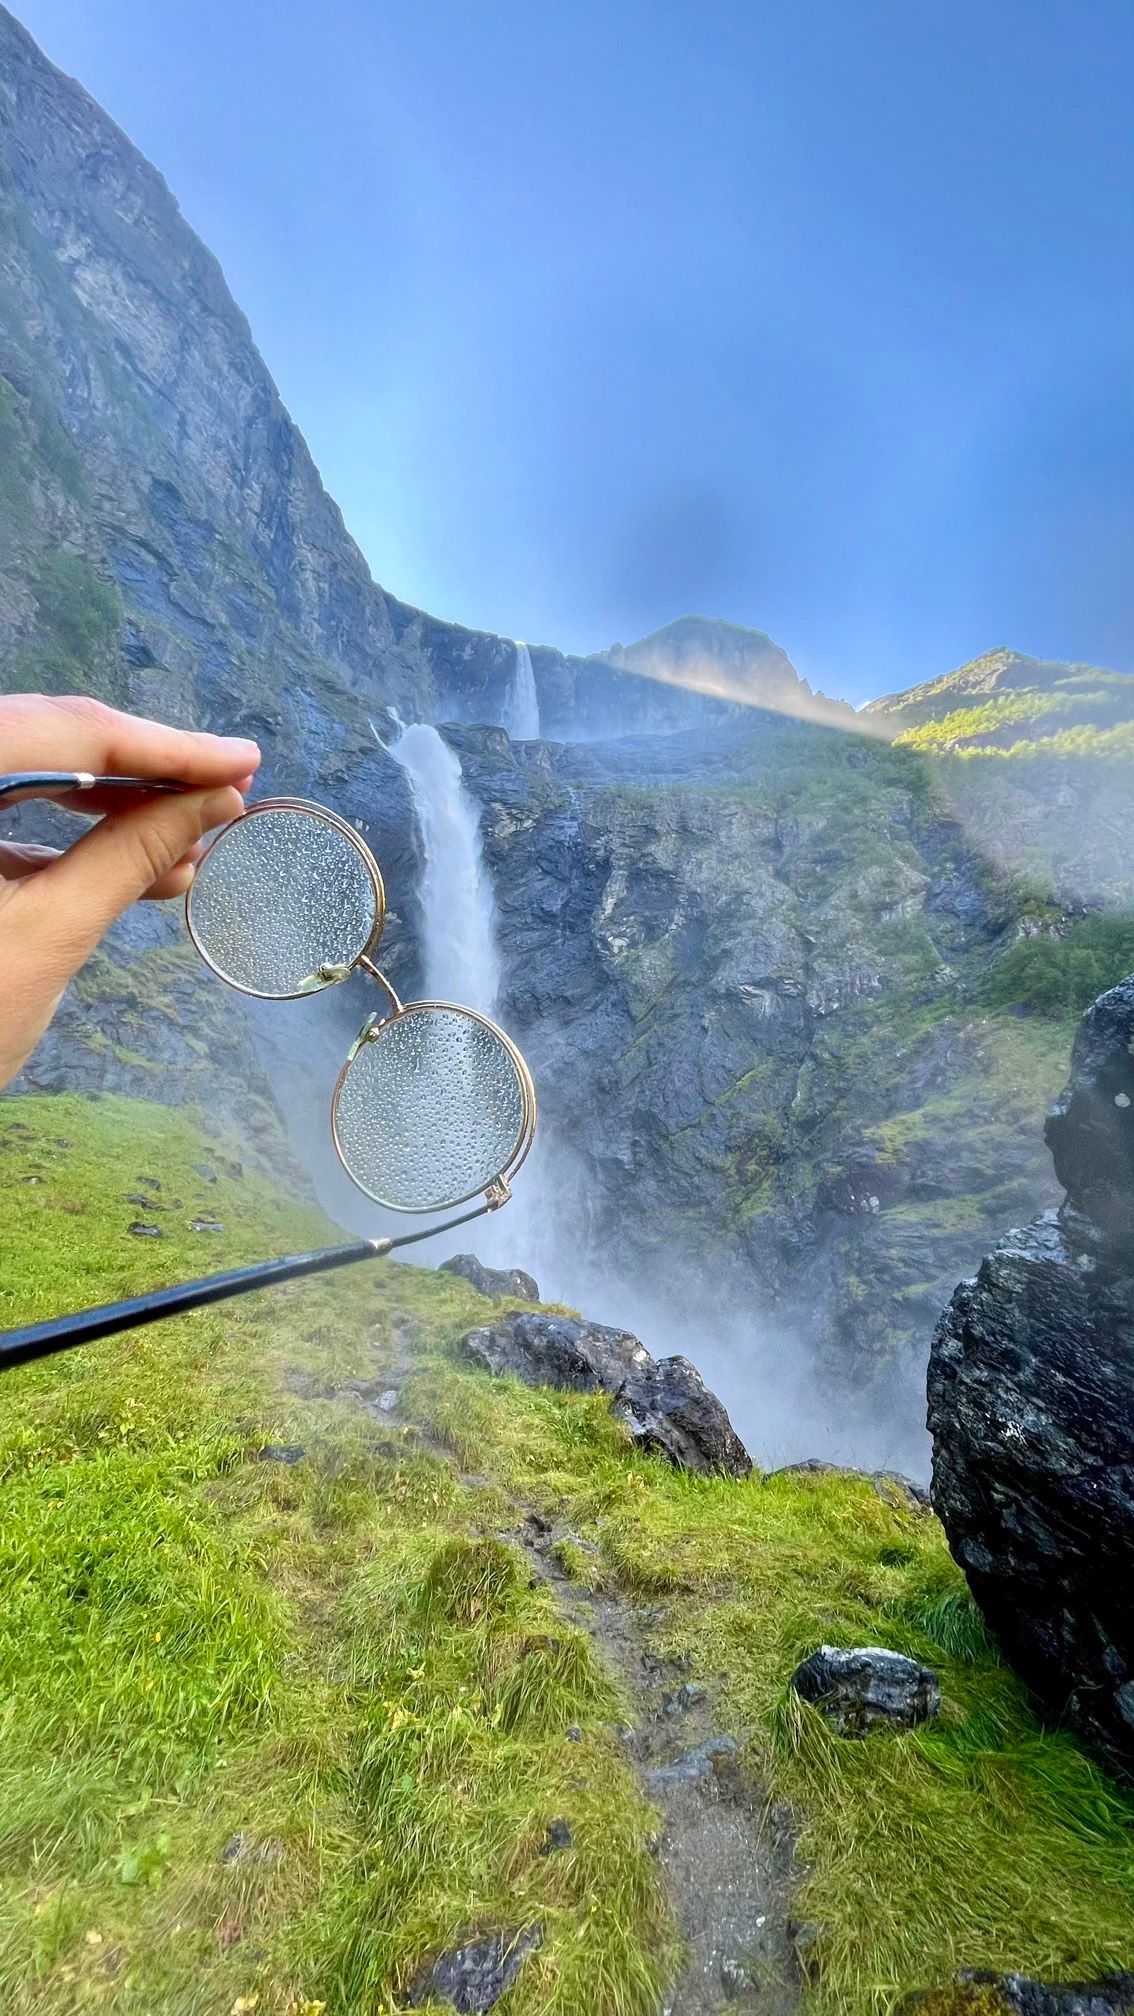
pixel 725 660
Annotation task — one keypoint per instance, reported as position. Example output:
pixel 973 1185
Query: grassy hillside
pixel 341 1665
pixel 1006 704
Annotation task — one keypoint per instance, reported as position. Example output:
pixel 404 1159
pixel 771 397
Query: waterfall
pixel 458 912
pixel 521 707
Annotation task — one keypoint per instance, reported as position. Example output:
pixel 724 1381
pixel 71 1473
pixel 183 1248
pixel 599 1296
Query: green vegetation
pixel 1060 977
pixel 79 612
pixel 15 489
pixel 988 717
pixel 1113 744
pixel 343 1662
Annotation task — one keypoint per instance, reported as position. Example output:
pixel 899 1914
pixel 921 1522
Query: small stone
pixel 281 1452
pixel 206 1174
pixel 685 1698
pixel 735 1979
pixel 472 1978
pixel 695 1765
pixel 146 1203
pixel 388 1400
pixel 247 1850
pixel 867 1688
pixel 574 1733
pixel 141 1231
pixel 558 1836
pixel 973 1992
pixel 205 1225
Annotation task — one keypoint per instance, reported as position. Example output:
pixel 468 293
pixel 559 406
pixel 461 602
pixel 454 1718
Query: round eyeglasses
pixel 434 1104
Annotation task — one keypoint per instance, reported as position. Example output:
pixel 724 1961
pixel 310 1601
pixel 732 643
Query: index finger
pixel 41 732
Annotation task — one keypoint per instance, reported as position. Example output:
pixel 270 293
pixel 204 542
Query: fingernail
pixel 238 747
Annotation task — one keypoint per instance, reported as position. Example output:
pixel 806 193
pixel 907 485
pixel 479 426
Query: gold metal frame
pixel 370 1032
pixel 342 826
pixel 498 1191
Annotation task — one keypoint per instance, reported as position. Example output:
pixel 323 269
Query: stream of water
pixel 521 704
pixel 459 950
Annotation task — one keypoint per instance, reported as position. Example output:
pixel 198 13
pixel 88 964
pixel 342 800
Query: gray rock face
pixel 1091 1129
pixel 665 1404
pixel 668 1408
pixel 722 927
pixel 496 1281
pixel 984 1994
pixel 867 1688
pixel 472 1978
pixel 561 1351
pixel 1030 1383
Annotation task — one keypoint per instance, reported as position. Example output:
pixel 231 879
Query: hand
pixel 54 908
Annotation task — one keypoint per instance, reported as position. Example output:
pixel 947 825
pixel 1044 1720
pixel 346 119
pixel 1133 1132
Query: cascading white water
pixel 459 948
pixel 521 706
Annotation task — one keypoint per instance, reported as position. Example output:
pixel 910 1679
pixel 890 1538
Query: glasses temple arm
pixel 65 1333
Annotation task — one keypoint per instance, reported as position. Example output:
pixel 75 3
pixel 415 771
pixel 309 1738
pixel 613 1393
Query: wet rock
pixel 510 1281
pixel 686 1697
pixel 560 1351
pixel 558 1836
pixel 1090 1130
pixel 472 1978
pixel 281 1452
pixel 735 1979
pixel 694 1766
pixel 664 1403
pixel 867 1688
pixel 574 1733
pixel 1031 1371
pixel 249 1851
pixel 141 1231
pixel 976 1993
pixel 145 1203
pixel 205 1225
pixel 387 1400
pixel 668 1408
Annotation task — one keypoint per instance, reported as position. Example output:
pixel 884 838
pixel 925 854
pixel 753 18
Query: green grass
pixel 1060 977
pixel 344 1659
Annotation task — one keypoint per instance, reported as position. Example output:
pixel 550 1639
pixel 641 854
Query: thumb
pixel 80 895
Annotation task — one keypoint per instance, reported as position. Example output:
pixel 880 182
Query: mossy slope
pixel 344 1659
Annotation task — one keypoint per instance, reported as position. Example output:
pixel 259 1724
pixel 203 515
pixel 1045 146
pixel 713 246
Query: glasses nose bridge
pixel 366 965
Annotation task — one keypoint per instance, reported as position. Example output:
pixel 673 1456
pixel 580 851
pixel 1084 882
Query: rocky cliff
pixel 1029 1405
pixel 791 993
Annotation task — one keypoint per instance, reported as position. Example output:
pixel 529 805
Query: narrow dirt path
pixel 726 1851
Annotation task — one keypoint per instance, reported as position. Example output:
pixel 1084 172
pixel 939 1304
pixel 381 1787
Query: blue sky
pixel 815 316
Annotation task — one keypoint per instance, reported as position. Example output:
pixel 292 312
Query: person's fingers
pixel 98 804
pixel 43 732
pixel 18 861
pixel 78 896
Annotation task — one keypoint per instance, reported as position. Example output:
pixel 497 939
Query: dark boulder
pixel 510 1281
pixel 1030 1387
pixel 1090 1131
pixel 668 1408
pixel 472 1978
pixel 975 1993
pixel 560 1351
pixel 867 1688
pixel 664 1404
